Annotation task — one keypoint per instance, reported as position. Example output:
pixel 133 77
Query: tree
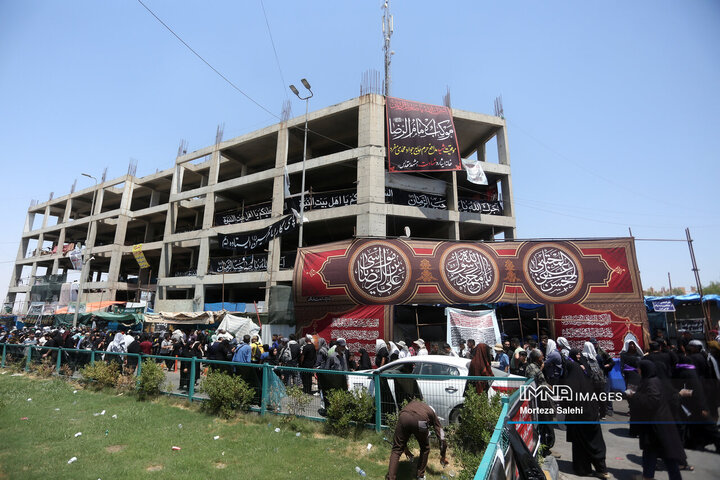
pixel 712 288
pixel 663 292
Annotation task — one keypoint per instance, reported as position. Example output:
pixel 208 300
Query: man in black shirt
pixel 308 358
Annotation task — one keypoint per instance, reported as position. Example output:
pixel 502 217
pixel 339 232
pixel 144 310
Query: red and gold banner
pixel 608 323
pixel 399 271
pixel 360 326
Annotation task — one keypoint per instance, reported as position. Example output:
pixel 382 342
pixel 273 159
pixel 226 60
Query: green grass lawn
pixel 138 443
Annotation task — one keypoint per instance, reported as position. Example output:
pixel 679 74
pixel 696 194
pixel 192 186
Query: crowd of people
pixel 673 389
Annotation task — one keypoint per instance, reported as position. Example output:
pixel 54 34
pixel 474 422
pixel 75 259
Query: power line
pixel 272 42
pixel 205 61
pixel 229 82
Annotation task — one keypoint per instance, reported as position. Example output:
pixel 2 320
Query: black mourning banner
pixel 415 199
pixel 421 137
pixel 333 199
pixel 247 263
pixel 249 214
pixel 257 238
pixel 480 206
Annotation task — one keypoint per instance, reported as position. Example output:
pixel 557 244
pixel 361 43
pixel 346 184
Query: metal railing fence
pixel 183 375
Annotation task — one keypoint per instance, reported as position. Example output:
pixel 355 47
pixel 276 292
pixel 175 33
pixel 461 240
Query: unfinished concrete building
pixel 237 186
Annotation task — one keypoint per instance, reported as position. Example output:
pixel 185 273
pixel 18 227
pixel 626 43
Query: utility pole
pixel 706 313
pixel 387 29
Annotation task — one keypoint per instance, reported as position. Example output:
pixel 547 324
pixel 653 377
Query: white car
pixel 446 396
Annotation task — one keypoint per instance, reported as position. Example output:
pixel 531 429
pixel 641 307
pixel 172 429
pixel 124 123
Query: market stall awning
pixel 89 307
pixel 185 318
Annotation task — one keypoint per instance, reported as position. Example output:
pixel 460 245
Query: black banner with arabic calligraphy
pixel 249 214
pixel 257 238
pixel 399 271
pixel 415 199
pixel 480 206
pixel 313 201
pixel 247 263
pixel 421 137
pixel 332 199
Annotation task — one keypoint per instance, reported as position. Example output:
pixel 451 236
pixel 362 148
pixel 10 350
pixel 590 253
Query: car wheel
pixel 455 414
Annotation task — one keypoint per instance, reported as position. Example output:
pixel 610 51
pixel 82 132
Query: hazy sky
pixel 612 106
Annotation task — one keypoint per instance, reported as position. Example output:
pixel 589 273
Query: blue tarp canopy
pixel 680 299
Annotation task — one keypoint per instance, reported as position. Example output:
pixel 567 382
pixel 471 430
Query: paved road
pixel 624 457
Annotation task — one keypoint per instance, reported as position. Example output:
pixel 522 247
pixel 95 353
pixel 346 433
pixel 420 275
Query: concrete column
pixel 17 271
pixel 68 209
pixel 480 152
pixel 170 222
pixel 506 181
pixel 46 214
pixel 149 232
pixel 39 246
pixel 452 204
pixel 120 234
pixel 371 168
pixel 60 244
pixel 99 197
pixel 154 198
pixel 278 204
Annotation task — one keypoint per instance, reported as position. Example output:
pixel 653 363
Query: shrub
pixel 227 394
pixel 349 408
pixel 151 379
pixel 44 369
pixel 297 402
pixel 100 375
pixel 125 383
pixel 470 436
pixel 66 370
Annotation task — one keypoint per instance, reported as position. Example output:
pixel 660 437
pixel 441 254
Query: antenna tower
pixel 387 29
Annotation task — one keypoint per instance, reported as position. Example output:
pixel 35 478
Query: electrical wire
pixel 205 61
pixel 229 82
pixel 272 42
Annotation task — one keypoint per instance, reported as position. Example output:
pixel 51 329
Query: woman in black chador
pixel 659 436
pixel 588 445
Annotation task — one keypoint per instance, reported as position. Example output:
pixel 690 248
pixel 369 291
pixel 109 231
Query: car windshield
pixel 436 369
pixel 402 367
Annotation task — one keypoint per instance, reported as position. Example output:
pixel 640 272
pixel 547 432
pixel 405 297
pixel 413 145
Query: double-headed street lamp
pixel 302 191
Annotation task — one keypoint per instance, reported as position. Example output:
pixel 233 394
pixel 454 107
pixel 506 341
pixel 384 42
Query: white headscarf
pixel 589 351
pixel 394 349
pixel 551 347
pixel 379 343
pixel 118 343
pixel 628 341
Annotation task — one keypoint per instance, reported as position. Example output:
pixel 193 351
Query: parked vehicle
pixel 445 395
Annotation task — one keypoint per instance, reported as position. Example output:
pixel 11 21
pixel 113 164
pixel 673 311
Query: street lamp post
pixel 83 270
pixel 302 187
